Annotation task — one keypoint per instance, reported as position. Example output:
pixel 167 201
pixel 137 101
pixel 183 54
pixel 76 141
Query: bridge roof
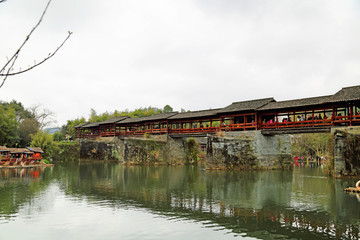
pixel 347 94
pixel 250 105
pixel 196 114
pixel 19 150
pixel 35 149
pixel 81 125
pixel 113 120
pixel 4 149
pixel 297 103
pixel 90 125
pixel 152 118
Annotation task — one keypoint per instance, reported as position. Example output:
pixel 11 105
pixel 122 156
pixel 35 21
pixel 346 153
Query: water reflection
pixel 299 204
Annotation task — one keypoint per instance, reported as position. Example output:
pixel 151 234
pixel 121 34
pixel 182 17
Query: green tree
pixel 311 144
pixel 57 137
pixel 69 128
pixel 27 127
pixel 167 109
pixel 28 121
pixel 8 127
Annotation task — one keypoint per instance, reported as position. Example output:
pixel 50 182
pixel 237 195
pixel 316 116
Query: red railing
pixel 194 130
pixel 238 126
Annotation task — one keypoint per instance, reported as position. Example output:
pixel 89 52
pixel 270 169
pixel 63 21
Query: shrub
pixel 44 140
pixel 192 151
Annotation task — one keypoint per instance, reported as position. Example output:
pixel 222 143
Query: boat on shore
pixel 22 157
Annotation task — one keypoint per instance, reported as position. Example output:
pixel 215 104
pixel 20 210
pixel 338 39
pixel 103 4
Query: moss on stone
pixel 192 151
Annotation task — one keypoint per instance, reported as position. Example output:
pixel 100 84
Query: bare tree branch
pixel 43 116
pixel 7 69
pixel 37 64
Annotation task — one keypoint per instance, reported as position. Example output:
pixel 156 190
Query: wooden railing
pixel 297 124
pixel 194 130
pixel 238 126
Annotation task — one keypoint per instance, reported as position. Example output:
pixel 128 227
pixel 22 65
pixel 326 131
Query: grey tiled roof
pixel 81 125
pixel 4 149
pixel 295 103
pixel 113 120
pixel 346 94
pixel 19 150
pixel 90 125
pixel 152 118
pixel 246 105
pixel 196 114
pixel 35 149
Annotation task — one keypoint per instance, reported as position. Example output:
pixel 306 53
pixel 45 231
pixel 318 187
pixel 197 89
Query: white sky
pixel 191 54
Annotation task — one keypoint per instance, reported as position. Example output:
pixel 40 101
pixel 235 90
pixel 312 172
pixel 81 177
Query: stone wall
pixel 136 150
pixel 249 150
pixel 346 153
pixel 101 149
pixel 151 151
pixel 241 150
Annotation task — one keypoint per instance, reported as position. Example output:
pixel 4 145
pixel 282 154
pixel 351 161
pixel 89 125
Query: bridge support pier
pixel 346 151
pixel 248 150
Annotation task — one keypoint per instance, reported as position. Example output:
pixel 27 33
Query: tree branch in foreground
pixel 6 70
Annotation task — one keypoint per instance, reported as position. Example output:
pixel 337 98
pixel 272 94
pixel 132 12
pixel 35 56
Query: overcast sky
pixel 191 54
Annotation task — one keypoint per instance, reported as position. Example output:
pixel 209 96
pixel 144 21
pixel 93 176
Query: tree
pixel 43 116
pixel 27 128
pixel 24 121
pixel 44 140
pixel 8 127
pixel 167 109
pixel 27 122
pixel 69 128
pixel 311 144
pixel 58 136
pixel 8 69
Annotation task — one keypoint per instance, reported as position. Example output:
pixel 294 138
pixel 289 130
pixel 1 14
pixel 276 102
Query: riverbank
pixel 26 166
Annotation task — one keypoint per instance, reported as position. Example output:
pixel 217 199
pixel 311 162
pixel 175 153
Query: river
pixel 86 200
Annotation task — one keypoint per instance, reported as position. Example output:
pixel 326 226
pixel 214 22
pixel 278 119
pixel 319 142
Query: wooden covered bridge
pixel 268 115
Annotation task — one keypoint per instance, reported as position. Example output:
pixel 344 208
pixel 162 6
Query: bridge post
pixel 339 160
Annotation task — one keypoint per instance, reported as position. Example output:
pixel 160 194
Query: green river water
pixel 84 200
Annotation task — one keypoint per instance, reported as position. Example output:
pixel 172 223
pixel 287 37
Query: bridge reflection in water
pixel 299 204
